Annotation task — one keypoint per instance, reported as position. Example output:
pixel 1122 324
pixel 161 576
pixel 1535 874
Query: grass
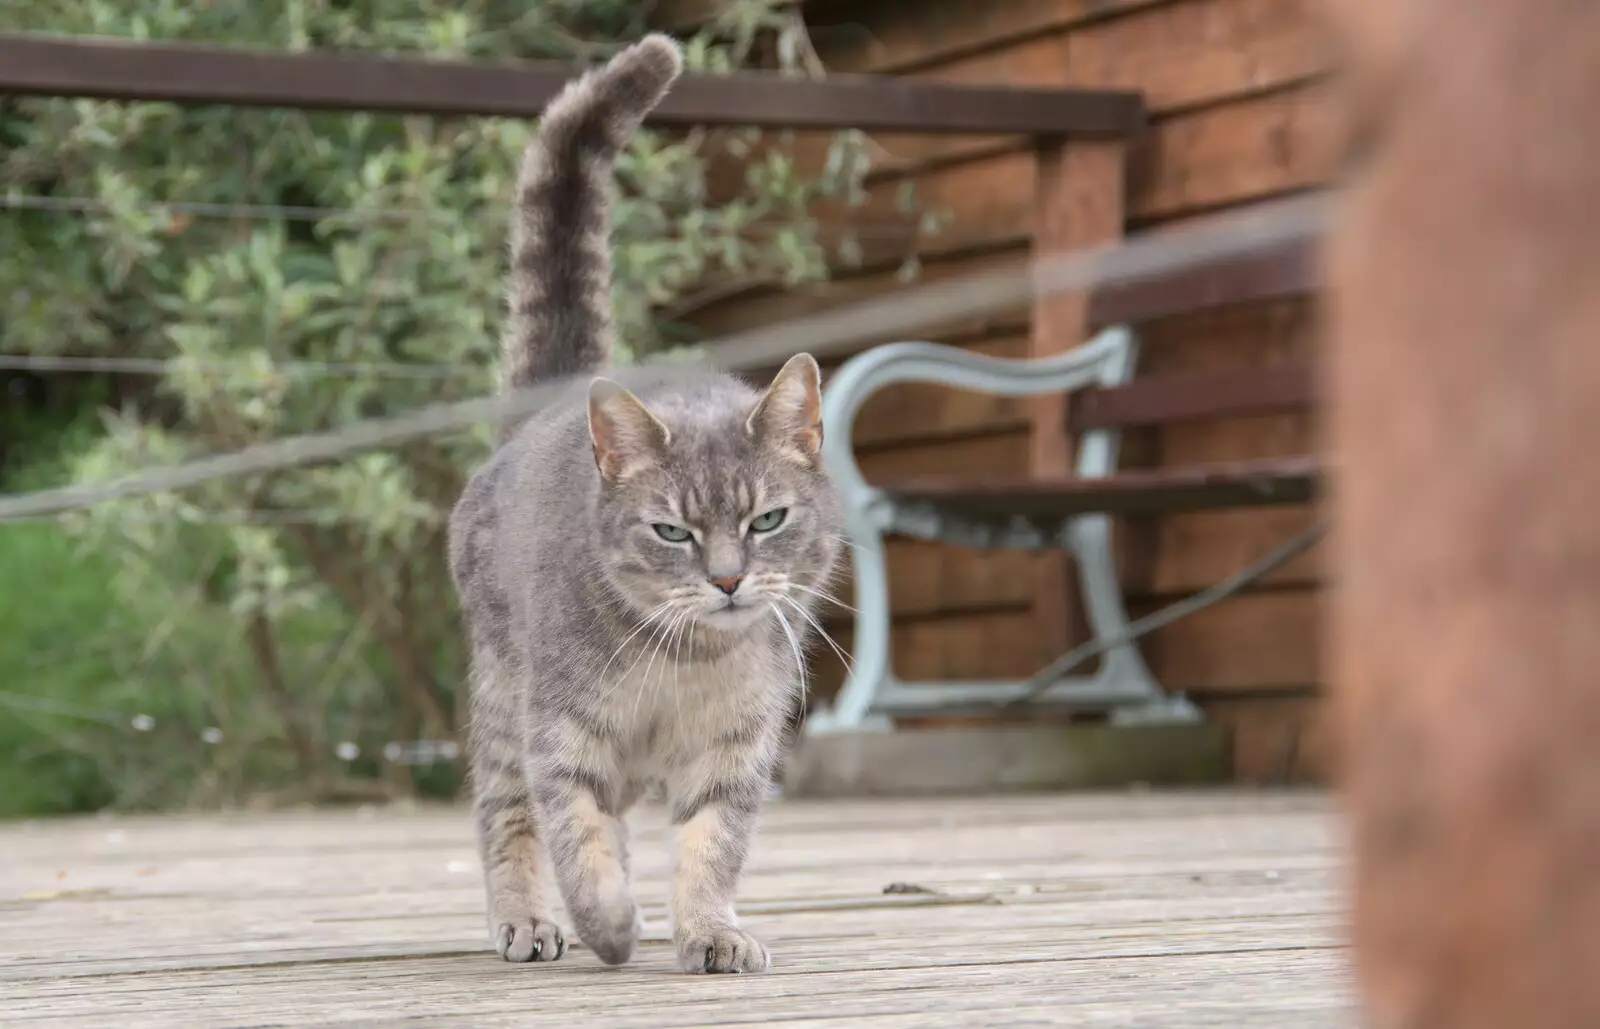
pixel 77 665
pixel 50 589
pixel 94 634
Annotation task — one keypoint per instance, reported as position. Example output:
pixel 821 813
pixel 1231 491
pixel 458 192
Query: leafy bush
pixel 273 626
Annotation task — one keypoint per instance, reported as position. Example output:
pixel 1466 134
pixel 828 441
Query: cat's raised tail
pixel 559 293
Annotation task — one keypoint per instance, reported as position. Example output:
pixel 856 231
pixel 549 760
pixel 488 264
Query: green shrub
pixel 269 622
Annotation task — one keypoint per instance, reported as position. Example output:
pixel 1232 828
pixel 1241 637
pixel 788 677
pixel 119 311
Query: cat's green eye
pixel 671 533
pixel 769 521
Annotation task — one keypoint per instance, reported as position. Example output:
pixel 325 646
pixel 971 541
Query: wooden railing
pixel 188 74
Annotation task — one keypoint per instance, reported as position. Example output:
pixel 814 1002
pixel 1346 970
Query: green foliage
pixel 262 622
pixel 42 763
pixel 42 663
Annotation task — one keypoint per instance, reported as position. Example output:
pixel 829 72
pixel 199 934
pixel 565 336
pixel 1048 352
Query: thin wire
pixel 45 705
pixel 308 516
pixel 405 752
pixel 283 453
pixel 889 230
pixel 204 209
pixel 165 366
pixel 834 332
pixel 1082 654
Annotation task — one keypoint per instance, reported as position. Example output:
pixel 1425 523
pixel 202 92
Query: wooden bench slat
pixel 1194 487
pixel 1199 395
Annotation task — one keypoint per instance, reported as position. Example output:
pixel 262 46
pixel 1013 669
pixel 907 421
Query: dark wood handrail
pixel 189 74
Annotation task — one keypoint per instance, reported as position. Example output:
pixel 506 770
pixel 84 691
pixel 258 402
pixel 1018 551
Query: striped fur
pixel 606 660
pixel 560 282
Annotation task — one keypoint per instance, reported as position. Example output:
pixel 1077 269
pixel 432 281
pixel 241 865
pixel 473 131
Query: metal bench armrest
pixel 1106 360
pixel 872 691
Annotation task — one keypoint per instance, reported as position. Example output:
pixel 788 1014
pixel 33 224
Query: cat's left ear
pixel 789 416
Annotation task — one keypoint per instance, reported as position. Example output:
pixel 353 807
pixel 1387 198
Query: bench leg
pixel 1123 685
pixel 870 670
pixel 1123 672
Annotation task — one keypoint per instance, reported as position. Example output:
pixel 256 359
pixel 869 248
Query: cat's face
pixel 717 519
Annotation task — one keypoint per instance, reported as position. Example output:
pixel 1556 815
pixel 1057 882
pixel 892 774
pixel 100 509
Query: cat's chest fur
pixel 669 710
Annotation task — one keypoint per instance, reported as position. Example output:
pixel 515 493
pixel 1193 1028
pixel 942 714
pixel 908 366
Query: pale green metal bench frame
pixel 1123 684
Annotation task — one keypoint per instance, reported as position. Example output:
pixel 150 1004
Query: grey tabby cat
pixel 638 570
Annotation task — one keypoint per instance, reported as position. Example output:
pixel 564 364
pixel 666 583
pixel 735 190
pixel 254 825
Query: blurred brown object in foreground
pixel 1465 421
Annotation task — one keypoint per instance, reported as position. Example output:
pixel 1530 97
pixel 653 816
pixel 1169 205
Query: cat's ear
pixel 789 416
pixel 627 438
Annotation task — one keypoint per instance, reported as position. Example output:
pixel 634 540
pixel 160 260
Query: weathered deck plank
pixel 1103 910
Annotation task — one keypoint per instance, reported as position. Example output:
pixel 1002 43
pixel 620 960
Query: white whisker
pixel 652 622
pixel 824 595
pixel 647 683
pixel 680 632
pixel 854 545
pixel 655 633
pixel 659 650
pixel 651 617
pixel 794 645
pixel 829 640
pixel 677 653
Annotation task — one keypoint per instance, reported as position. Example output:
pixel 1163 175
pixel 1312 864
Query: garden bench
pixel 1071 512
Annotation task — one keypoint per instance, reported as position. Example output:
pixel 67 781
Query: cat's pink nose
pixel 727 583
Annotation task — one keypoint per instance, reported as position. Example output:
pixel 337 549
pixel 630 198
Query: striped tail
pixel 559 292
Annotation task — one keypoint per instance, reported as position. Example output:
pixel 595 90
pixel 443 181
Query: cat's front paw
pixel 722 949
pixel 529 940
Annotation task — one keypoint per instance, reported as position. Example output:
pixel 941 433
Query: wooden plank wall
pixel 1233 90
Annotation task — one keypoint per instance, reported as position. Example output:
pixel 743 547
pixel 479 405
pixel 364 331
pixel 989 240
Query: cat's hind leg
pixel 516 876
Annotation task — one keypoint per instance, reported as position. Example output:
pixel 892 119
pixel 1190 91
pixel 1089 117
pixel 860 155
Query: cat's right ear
pixel 627 438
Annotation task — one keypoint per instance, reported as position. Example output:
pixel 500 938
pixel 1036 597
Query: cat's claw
pixel 532 940
pixel 722 949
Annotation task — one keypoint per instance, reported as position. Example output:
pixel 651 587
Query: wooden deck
pixel 1122 910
